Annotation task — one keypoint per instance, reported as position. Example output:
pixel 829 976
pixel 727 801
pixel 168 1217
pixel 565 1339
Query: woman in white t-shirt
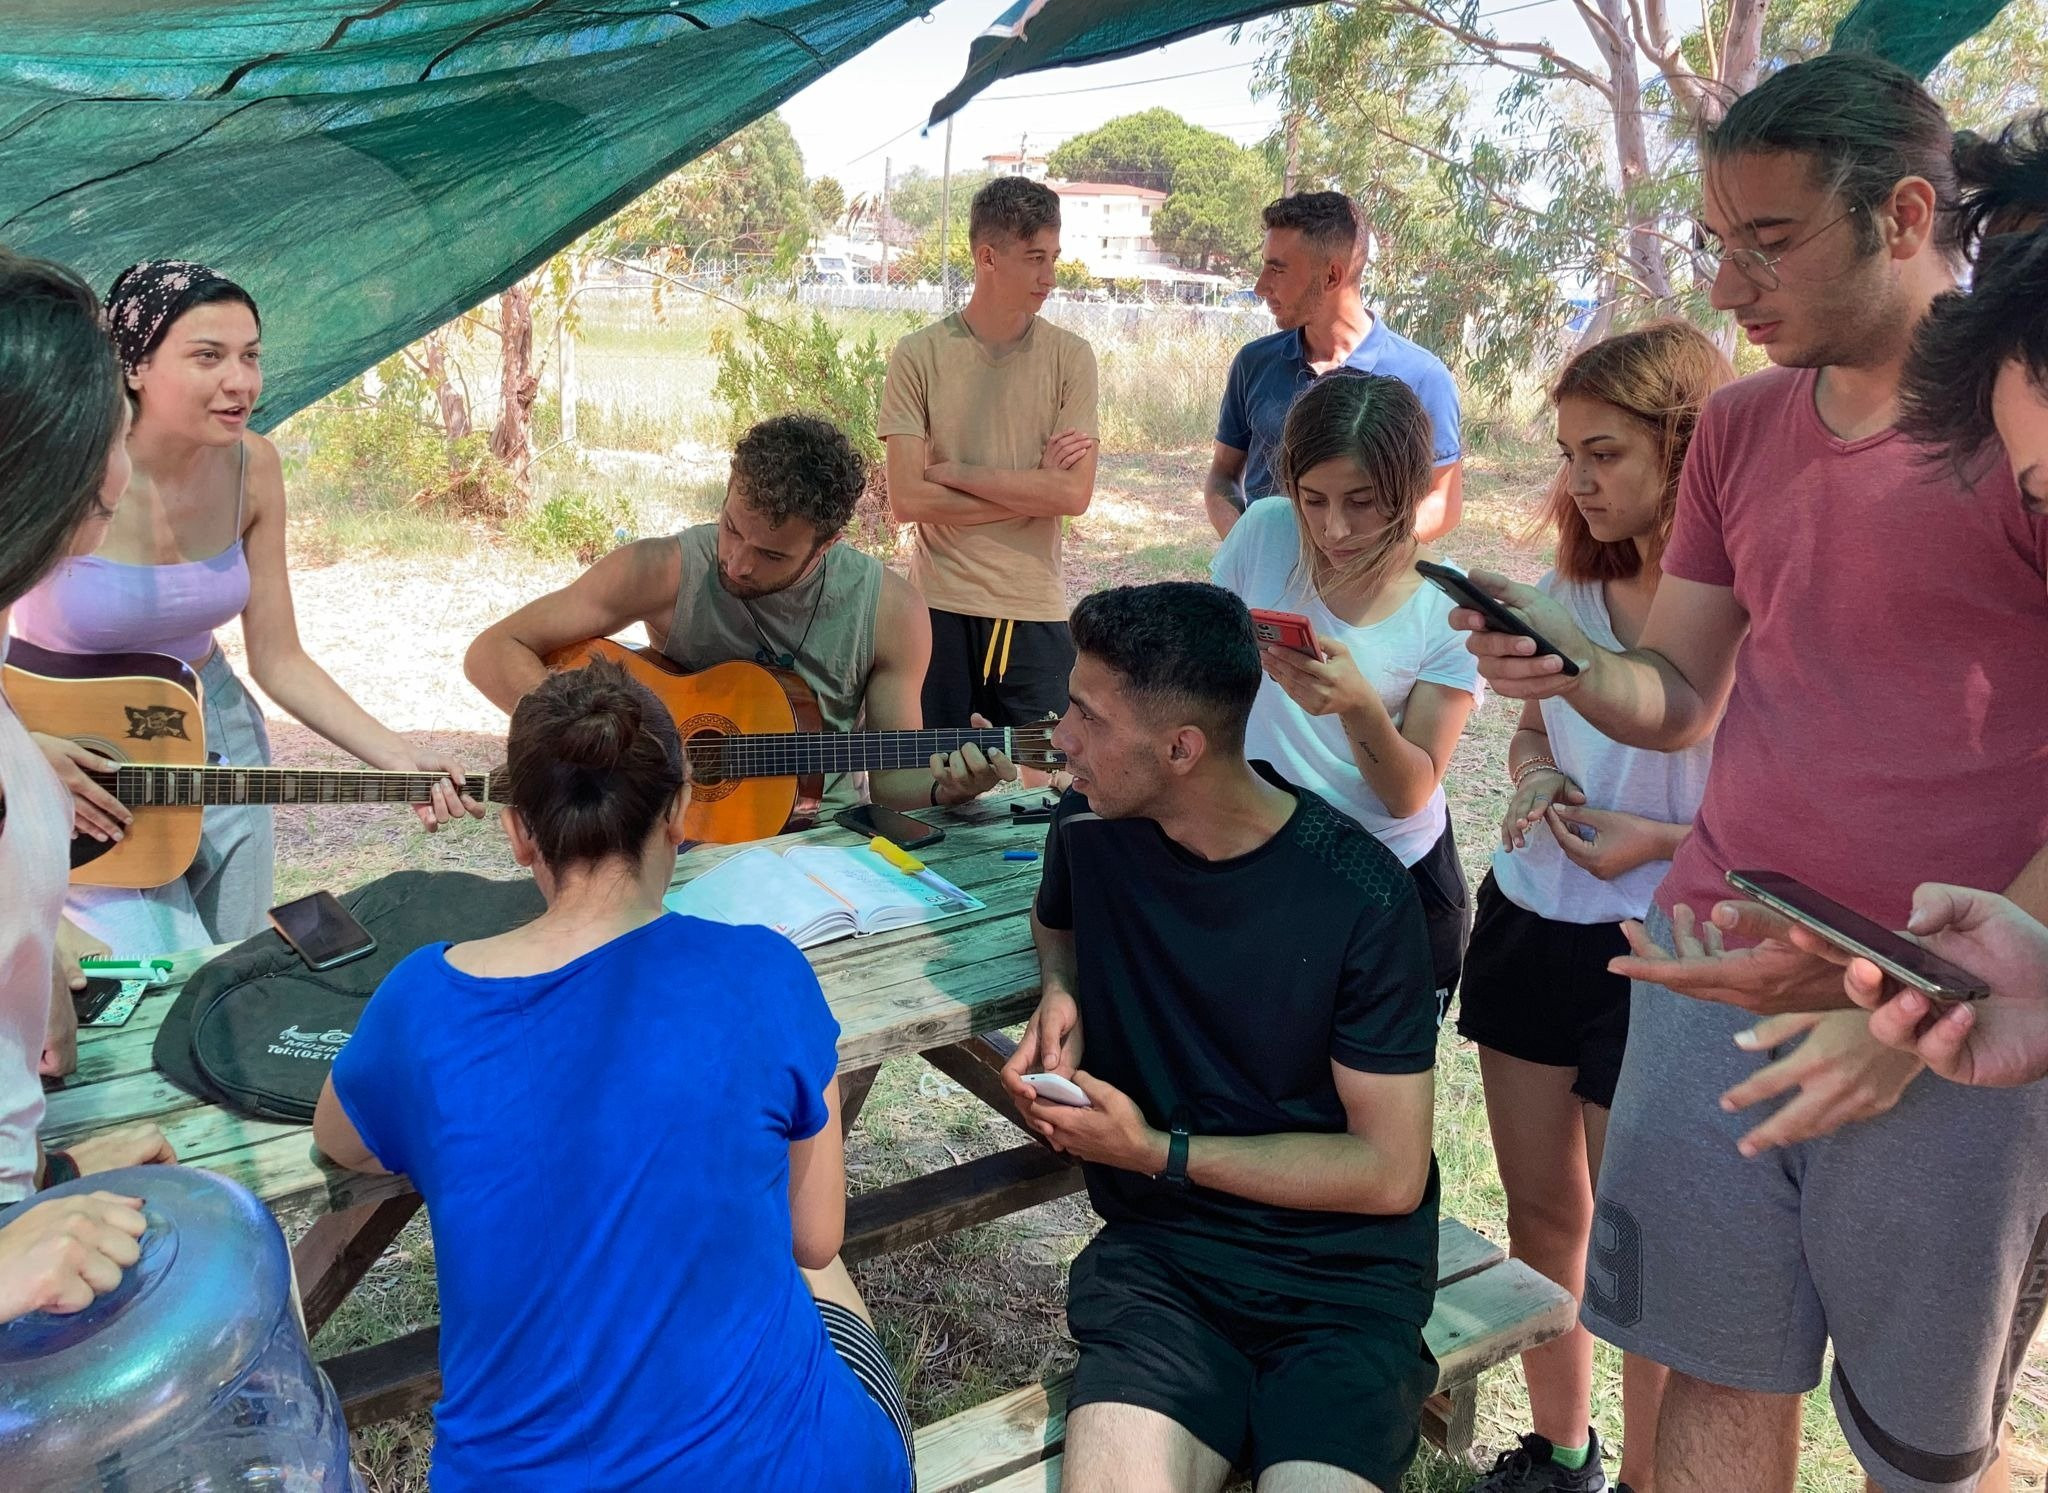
pixel 62 467
pixel 1371 725
pixel 1588 834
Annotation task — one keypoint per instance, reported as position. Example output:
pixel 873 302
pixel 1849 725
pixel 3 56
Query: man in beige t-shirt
pixel 989 417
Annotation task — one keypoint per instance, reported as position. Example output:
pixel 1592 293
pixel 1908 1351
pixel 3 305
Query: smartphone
pixel 1898 956
pixel 322 931
pixel 1458 586
pixel 1288 629
pixel 869 820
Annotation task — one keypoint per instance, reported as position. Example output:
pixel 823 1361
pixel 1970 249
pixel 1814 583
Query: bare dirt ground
pixel 981 1311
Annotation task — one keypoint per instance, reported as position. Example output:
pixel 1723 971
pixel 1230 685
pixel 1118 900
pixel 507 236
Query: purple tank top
pixel 90 605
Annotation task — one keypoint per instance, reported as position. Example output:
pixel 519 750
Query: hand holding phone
pixel 1909 963
pixel 1058 1090
pixel 1285 630
pixel 1458 586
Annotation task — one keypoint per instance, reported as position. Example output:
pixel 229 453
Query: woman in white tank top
pixel 62 467
pixel 1586 838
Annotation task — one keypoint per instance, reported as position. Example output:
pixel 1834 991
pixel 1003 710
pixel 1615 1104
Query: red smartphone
pixel 1288 629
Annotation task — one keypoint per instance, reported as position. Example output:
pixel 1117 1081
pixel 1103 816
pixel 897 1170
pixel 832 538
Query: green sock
pixel 1571 1458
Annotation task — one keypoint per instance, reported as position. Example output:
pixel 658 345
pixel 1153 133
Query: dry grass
pixel 981 1311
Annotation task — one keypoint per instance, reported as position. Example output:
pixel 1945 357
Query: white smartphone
pixel 1059 1090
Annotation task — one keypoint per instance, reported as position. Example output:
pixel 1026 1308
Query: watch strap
pixel 1176 1173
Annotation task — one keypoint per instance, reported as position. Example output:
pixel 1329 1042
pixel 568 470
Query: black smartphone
pixel 91 1003
pixel 891 824
pixel 1898 956
pixel 1458 586
pixel 322 931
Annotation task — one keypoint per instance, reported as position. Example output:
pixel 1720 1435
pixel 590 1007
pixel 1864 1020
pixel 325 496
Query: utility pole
pixel 885 222
pixel 946 222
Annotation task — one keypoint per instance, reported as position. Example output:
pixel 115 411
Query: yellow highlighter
pixel 895 855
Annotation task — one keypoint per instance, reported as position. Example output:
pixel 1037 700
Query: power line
pixel 1231 67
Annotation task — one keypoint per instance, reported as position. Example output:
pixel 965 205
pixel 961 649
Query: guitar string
pixel 771 755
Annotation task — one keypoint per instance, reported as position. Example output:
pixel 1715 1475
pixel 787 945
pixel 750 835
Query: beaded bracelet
pixel 1532 765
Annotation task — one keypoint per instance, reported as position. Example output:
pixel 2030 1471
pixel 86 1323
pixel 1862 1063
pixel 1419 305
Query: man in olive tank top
pixel 768 582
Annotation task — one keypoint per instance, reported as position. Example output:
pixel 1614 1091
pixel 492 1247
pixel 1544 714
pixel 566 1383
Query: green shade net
pixel 369 170
pixel 1036 34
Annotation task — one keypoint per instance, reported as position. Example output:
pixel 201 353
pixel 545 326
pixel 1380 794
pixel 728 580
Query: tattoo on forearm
pixel 1370 755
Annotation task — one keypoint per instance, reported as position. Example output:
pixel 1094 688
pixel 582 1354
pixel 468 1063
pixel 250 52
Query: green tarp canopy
pixel 372 168
pixel 369 170
pixel 1035 34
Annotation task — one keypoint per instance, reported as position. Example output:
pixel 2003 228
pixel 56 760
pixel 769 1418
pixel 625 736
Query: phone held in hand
pixel 1286 629
pixel 1895 954
pixel 869 820
pixel 322 931
pixel 1458 586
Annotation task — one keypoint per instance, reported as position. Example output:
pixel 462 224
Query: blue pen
pixel 1020 855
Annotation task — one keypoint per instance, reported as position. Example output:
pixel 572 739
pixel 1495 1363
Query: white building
pixel 1013 164
pixel 1108 226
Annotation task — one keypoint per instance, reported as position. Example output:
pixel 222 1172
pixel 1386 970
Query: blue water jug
pixel 193 1374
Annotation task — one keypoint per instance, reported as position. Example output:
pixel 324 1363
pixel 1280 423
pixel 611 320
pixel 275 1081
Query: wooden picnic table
pixel 939 990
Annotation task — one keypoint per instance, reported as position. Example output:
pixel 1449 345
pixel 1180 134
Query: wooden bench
pixel 1488 1309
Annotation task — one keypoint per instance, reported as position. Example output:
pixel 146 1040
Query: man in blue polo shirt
pixel 1313 256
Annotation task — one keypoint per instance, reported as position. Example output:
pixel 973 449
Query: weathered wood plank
pixel 1450 1420
pixel 977 1066
pixel 853 1095
pixel 1461 1252
pixel 335 1254
pixel 1493 1316
pixel 910 1212
pixel 1040 1477
pixel 993 1439
pixel 387 1380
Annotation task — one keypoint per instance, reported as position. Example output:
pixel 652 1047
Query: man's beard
pixel 743 590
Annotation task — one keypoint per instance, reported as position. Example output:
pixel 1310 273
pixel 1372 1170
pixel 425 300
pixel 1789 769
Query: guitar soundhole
pixel 704 746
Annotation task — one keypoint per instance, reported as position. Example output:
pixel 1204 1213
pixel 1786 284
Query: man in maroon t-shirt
pixel 1877 632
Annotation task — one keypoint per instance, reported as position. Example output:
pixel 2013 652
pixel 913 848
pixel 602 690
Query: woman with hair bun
pixel 198 540
pixel 625 1124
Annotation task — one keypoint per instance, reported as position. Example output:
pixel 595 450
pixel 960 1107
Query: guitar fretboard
pixel 140 787
pixel 790 755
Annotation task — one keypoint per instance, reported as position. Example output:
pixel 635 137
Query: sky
pixel 872 109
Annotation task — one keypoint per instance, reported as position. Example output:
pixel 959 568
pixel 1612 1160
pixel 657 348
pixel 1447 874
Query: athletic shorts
pixel 1540 990
pixel 1913 1242
pixel 1447 914
pixel 1011 673
pixel 860 1350
pixel 1256 1377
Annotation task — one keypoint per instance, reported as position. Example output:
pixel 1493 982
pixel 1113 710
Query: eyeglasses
pixel 1754 265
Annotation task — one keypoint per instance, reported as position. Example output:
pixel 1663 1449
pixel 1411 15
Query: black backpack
pixel 256 1031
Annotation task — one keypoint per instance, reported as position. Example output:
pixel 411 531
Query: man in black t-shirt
pixel 1247 973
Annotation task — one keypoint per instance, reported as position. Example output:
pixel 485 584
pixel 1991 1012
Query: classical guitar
pixel 142 710
pixel 757 751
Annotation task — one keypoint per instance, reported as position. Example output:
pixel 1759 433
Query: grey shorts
pixel 1913 1241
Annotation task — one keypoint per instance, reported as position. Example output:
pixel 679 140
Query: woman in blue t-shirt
pixel 1372 723
pixel 625 1125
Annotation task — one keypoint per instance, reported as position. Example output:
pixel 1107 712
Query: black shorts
pixel 1541 991
pixel 1013 673
pixel 1256 1377
pixel 1447 910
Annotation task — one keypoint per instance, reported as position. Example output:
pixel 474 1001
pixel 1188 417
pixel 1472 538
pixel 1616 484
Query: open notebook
pixel 812 894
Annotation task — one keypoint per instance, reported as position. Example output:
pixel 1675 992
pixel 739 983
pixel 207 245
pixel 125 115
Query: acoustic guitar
pixel 143 711
pixel 758 754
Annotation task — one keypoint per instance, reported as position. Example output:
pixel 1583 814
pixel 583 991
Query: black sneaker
pixel 1529 1468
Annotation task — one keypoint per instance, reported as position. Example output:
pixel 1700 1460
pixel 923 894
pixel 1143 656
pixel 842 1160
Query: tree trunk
pixel 1644 250
pixel 453 407
pixel 518 386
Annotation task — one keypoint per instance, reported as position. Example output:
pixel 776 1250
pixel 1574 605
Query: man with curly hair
pixel 989 416
pixel 770 582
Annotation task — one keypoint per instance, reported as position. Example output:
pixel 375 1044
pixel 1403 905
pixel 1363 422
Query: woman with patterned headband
pixel 198 540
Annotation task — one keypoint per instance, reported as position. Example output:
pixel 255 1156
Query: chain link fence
pixel 633 368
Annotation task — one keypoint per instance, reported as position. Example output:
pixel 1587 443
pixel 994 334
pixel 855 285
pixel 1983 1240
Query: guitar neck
pixel 139 786
pixel 798 754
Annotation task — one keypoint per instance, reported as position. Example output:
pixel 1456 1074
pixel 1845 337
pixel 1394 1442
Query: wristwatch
pixel 1176 1173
